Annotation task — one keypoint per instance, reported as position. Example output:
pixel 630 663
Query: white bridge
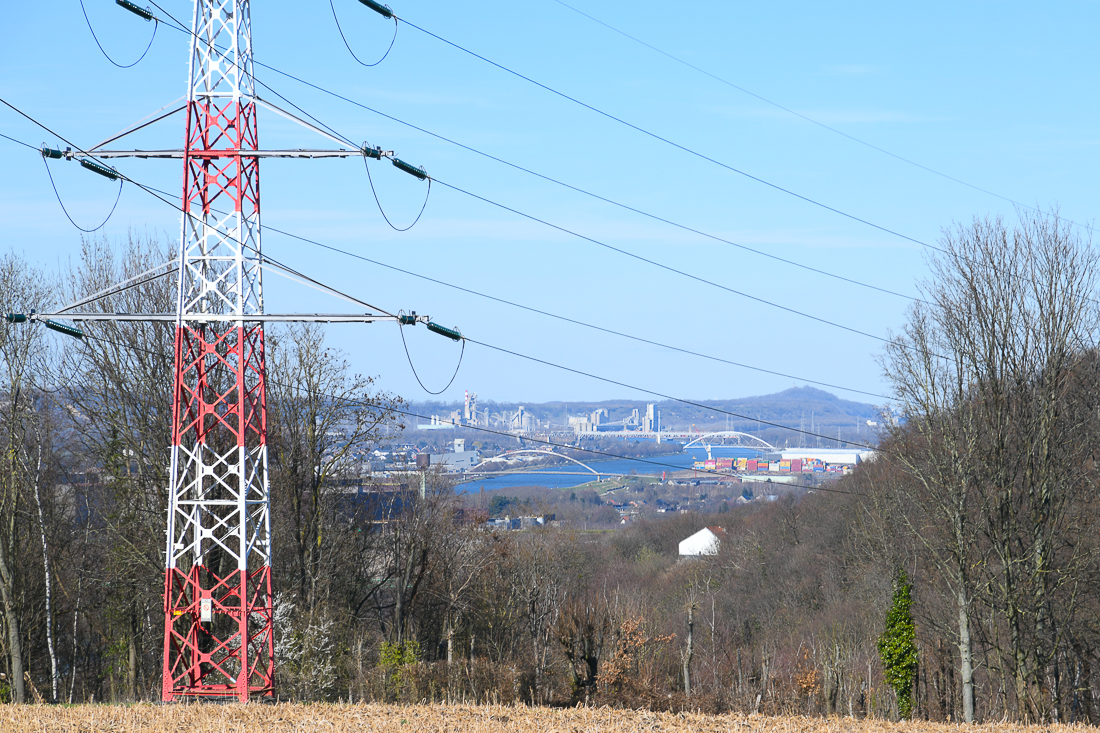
pixel 731 438
pixel 536 451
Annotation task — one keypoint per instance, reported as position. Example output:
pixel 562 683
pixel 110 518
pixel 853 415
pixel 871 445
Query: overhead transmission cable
pixel 523 169
pixel 457 336
pixel 140 12
pixel 382 211
pixel 53 184
pixel 654 263
pixel 549 314
pixel 809 119
pixel 541 441
pixel 368 151
pixel 690 403
pixel 401 330
pixel 594 241
pixel 348 46
pixel 669 268
pixel 509 303
pixel 19 142
pixel 670 142
pixel 590 194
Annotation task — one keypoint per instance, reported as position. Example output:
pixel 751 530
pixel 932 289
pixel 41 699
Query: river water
pixel 551 478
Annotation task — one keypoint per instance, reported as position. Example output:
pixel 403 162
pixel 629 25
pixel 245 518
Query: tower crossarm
pixel 228 317
pixel 222 153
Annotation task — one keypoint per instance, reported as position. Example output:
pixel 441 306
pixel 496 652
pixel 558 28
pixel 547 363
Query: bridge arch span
pixel 754 442
pixel 534 450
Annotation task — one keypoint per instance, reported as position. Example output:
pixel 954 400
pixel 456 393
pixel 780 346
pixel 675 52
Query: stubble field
pixel 325 718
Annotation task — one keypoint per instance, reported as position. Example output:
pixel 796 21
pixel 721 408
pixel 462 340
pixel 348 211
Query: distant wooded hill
pixel 798 407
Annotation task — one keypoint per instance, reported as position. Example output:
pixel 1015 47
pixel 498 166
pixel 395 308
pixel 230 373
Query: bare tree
pixel 981 374
pixel 120 414
pixel 21 351
pixel 537 572
pixel 324 422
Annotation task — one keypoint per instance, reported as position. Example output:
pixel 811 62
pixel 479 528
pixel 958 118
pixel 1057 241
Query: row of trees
pixel 952 578
pixel 991 478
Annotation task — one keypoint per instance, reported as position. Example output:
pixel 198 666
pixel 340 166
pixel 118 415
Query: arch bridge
pixel 742 440
pixel 534 450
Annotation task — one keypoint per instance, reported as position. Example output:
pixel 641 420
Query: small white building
pixel 704 542
pixel 834 456
pixel 456 462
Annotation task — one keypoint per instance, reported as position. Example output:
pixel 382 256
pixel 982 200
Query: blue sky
pixel 999 95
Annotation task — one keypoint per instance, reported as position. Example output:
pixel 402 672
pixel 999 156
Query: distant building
pixel 458 461
pixel 437 423
pixel 520 523
pixel 832 456
pixel 704 542
pixel 469 410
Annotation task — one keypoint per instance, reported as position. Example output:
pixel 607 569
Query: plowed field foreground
pixel 322 718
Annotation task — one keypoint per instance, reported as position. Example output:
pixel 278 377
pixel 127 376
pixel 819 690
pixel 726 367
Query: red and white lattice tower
pixel 217 582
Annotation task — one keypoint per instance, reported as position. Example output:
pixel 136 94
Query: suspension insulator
pixel 51 153
pixel 411 169
pixel 16 318
pixel 64 328
pixel 99 168
pixel 383 10
pixel 143 12
pixel 452 333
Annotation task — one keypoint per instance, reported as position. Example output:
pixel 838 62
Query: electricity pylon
pixel 218 605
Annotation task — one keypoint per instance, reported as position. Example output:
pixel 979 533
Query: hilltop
pixel 797 407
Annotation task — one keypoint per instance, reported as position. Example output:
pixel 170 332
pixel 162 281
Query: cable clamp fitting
pixel 377 153
pixel 48 152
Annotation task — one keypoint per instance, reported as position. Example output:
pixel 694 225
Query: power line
pixel 577 189
pixel 523 169
pixel 667 267
pixel 687 402
pixel 549 314
pixel 565 319
pixel 19 142
pixel 621 251
pixel 809 119
pixel 156 24
pixel 667 141
pixel 690 403
pixel 161 194
pixel 541 441
pixel 118 197
pixel 348 46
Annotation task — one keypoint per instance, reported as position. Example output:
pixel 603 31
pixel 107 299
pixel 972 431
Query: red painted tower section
pixel 218 635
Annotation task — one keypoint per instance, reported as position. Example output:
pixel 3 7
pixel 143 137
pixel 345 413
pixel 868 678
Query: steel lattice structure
pixel 218 609
pixel 218 636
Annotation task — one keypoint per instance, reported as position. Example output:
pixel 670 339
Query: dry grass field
pixel 322 718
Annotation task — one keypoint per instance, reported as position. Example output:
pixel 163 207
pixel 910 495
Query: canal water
pixel 551 478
